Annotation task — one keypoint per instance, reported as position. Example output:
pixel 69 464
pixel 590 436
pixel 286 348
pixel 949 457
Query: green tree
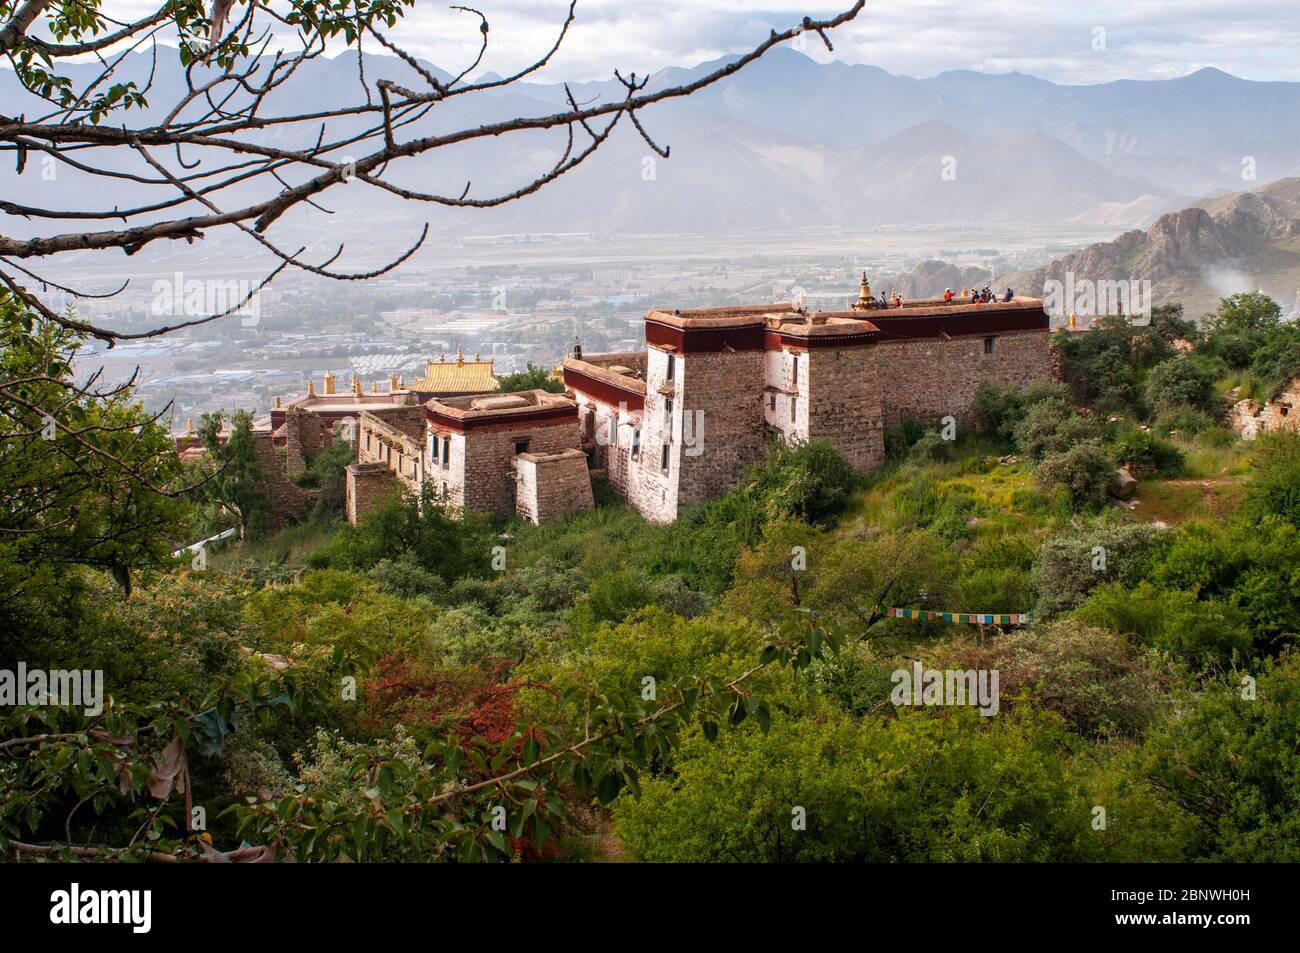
pixel 236 481
pixel 532 378
pixel 1183 381
pixel 424 528
pixel 1230 761
pixel 87 478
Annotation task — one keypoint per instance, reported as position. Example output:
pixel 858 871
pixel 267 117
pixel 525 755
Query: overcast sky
pixel 1068 41
pixel 1053 39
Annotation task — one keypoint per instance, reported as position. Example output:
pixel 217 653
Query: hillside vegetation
pixel 420 687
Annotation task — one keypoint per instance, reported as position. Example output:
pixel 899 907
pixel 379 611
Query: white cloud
pixel 1053 39
pixel 1144 39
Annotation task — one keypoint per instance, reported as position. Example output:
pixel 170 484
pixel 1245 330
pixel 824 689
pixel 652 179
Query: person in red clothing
pixel 947 296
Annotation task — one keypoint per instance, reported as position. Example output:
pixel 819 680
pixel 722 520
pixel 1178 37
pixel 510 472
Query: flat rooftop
pixel 786 316
pixel 497 405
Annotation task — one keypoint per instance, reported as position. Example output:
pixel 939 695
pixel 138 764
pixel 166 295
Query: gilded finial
pixel 865 299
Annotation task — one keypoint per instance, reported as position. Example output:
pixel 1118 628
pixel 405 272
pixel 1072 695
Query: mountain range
pixel 788 142
pixel 1243 241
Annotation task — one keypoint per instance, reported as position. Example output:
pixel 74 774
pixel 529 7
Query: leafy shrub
pixel 1183 381
pixel 1273 487
pixel 998 411
pixel 1090 677
pixel 810 481
pixel 612 598
pixel 1084 471
pixel 451 545
pixel 1186 421
pixel 1277 362
pixel 931 448
pixel 1146 453
pixel 1232 762
pixel 731 800
pixel 1070 564
pixel 900 437
pixel 404 577
pixel 1201 632
pixel 1051 426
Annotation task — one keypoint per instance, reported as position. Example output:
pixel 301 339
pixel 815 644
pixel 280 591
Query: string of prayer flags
pixel 974 618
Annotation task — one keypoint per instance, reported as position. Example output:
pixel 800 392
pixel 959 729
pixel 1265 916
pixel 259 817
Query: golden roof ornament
pixel 865 299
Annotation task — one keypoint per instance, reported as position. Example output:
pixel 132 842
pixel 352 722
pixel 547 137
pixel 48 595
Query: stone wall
pixel 845 403
pixel 483 478
pixel 551 484
pixel 305 435
pixel 713 434
pixel 1250 418
pixel 931 378
pixel 409 420
pixel 366 485
pixel 726 389
pixel 287 501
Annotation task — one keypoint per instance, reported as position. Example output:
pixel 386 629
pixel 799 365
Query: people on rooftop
pixel 947 296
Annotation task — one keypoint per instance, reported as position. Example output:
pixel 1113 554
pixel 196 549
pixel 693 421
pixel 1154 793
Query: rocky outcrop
pixel 1123 484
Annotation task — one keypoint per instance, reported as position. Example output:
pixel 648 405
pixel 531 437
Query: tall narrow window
pixel 795 362
pixel 668 416
pixel 989 342
pixel 446 452
pixel 672 364
pixel 794 407
pixel 636 442
pixel 663 459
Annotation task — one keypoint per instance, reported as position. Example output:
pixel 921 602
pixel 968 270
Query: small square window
pixel 521 446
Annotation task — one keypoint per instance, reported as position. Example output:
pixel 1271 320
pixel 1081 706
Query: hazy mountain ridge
pixel 1238 242
pixel 788 141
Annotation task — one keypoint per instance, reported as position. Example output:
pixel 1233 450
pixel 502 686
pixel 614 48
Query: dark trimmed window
pixel 989 343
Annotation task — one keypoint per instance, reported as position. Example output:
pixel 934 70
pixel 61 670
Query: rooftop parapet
pixel 491 409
